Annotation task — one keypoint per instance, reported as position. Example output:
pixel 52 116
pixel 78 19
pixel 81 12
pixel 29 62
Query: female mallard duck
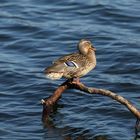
pixel 74 65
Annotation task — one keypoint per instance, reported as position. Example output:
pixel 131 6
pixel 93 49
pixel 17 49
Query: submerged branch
pixel 68 84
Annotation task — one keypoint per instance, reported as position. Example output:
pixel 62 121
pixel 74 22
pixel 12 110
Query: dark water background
pixel 34 33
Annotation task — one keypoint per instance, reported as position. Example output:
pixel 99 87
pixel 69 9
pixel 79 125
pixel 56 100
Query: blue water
pixel 34 33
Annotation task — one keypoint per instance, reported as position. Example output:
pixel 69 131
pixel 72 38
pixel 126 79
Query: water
pixel 34 33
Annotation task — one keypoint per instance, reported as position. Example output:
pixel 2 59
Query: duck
pixel 74 65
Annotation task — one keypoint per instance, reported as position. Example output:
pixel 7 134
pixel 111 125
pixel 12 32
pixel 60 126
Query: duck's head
pixel 84 46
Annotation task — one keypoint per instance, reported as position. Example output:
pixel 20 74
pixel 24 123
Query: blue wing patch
pixel 71 64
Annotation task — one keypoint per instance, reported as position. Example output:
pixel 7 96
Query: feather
pixel 71 64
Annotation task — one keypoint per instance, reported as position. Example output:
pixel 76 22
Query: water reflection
pixel 137 130
pixel 70 133
pixel 67 133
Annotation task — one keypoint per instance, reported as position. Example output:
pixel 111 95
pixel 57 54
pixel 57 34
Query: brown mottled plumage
pixel 74 65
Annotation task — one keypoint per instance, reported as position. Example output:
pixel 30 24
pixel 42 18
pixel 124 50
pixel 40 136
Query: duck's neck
pixel 91 55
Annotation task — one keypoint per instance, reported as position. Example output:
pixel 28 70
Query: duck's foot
pixel 75 80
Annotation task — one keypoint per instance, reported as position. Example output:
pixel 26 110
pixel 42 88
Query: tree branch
pixel 69 84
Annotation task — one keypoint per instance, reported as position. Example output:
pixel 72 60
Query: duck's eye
pixel 71 64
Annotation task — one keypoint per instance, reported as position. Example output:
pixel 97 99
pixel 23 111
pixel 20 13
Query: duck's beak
pixel 93 48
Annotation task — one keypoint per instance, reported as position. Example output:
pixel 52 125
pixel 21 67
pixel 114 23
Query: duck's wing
pixel 72 60
pixel 62 65
pixel 66 58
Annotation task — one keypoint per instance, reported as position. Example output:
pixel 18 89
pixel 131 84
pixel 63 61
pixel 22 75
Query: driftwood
pixel 48 103
pixel 68 85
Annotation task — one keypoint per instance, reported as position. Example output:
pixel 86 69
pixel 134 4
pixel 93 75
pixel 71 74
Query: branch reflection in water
pixel 67 133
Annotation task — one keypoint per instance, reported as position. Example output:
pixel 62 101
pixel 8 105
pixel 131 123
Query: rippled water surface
pixel 34 33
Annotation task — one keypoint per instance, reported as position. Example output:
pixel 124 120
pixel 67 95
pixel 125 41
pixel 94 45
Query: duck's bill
pixel 93 48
